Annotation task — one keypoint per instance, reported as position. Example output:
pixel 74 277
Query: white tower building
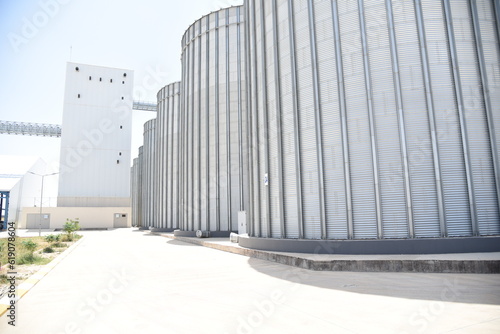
pixel 96 137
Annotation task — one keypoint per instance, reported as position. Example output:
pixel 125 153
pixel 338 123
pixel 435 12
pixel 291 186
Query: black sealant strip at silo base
pixel 213 234
pixel 386 246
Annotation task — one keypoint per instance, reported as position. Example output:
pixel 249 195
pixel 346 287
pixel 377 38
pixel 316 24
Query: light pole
pixel 41 201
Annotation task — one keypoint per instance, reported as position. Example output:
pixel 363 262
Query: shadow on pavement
pixel 459 288
pixel 180 243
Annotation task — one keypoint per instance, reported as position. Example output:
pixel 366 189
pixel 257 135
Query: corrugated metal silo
pixel 373 119
pixel 149 185
pixel 213 108
pixel 167 165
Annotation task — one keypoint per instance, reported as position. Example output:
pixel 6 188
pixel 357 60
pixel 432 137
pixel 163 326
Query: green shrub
pixel 48 250
pixel 52 238
pixel 70 227
pixel 31 259
pixel 59 245
pixel 30 246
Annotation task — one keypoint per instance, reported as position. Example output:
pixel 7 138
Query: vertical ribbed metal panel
pixel 392 178
pixel 488 175
pixel 277 118
pixel 196 98
pixel 272 140
pixel 335 197
pixel 309 158
pixel 168 99
pixel 175 163
pixel 422 181
pixel 254 155
pixel 136 192
pixel 287 120
pixel 260 120
pixel 212 107
pixel 221 114
pixel 204 120
pixel 159 144
pixel 149 181
pixel 455 189
pixel 140 187
pixel 360 158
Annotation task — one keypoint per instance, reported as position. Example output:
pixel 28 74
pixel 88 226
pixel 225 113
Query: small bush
pixel 3 279
pixel 32 259
pixel 30 246
pixel 28 259
pixel 70 227
pixel 48 250
pixel 59 245
pixel 52 238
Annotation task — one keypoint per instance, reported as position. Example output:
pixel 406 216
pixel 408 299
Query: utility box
pixel 120 220
pixel 242 222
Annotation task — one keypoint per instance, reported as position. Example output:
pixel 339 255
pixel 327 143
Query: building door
pixel 33 221
pixel 4 209
pixel 120 220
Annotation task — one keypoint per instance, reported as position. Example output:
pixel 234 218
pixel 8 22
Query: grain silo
pixel 167 163
pixel 213 108
pixel 149 186
pixel 373 120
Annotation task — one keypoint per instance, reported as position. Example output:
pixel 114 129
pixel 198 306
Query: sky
pixel 38 37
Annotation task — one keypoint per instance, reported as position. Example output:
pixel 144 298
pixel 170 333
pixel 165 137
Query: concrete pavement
pixel 468 263
pixel 126 281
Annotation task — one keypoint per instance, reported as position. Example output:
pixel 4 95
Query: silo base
pixel 192 234
pixel 391 246
pixel 159 230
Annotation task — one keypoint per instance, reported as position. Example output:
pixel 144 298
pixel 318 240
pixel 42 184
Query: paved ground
pixel 123 281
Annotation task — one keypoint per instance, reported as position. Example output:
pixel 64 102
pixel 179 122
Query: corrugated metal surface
pixel 166 163
pixel 420 154
pixel 335 196
pixel 484 173
pixel 287 119
pixel 311 214
pixel 360 154
pixel 389 151
pixel 136 191
pixel 414 179
pixel 458 216
pixel 212 103
pixel 149 182
pixel 395 119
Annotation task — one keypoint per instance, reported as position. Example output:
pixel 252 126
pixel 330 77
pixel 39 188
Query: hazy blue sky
pixel 35 42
